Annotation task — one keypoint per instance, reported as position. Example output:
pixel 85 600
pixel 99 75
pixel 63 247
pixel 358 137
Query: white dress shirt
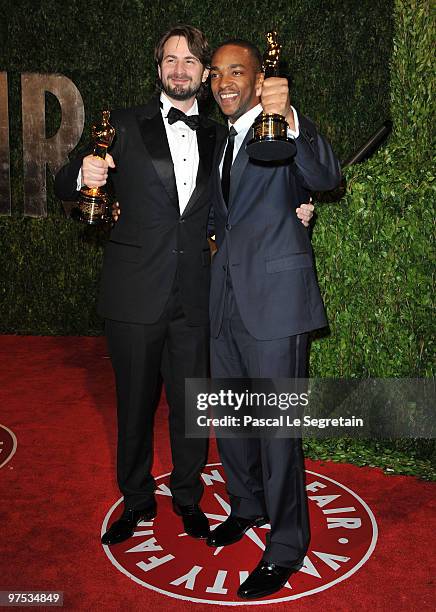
pixel 184 152
pixel 244 123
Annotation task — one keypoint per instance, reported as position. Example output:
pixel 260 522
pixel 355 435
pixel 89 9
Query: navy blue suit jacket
pixel 264 246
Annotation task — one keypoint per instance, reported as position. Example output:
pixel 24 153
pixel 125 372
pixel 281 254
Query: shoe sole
pixel 197 537
pixel 260 595
pixel 295 569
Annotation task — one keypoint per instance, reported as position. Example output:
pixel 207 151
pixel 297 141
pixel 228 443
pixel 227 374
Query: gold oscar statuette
pixel 94 205
pixel 270 140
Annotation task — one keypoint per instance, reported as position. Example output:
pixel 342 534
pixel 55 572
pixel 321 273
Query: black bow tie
pixel 175 114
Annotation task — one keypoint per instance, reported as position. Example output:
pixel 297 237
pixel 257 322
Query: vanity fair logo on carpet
pixel 8 445
pixel 163 558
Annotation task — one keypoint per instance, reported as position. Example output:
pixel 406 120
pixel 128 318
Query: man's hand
pixel 305 213
pixel 275 99
pixel 95 170
pixel 116 211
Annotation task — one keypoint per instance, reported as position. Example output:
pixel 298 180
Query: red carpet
pixel 57 397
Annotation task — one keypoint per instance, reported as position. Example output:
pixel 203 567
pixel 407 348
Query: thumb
pixel 110 160
pixel 259 84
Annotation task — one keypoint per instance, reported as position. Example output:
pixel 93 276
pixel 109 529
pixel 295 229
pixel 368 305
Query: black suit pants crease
pixel 143 355
pixel 264 476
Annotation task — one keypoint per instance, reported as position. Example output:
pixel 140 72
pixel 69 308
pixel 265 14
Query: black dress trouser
pixel 143 355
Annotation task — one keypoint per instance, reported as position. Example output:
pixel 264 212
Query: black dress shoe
pixel 194 520
pixel 124 527
pixel 233 529
pixel 266 579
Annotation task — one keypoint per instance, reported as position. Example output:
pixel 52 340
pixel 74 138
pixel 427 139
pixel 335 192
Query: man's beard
pixel 180 92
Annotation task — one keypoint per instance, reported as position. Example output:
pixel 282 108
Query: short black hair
pixel 245 44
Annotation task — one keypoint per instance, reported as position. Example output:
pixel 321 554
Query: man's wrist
pixel 293 123
pixel 290 120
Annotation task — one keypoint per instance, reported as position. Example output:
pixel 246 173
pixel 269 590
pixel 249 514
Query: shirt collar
pixel 167 104
pixel 244 123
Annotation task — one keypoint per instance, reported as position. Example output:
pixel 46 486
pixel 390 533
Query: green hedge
pixel 374 249
pixel 375 253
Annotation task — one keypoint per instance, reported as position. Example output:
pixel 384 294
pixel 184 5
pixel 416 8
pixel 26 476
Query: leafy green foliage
pixel 375 266
pixel 375 254
pixel 374 250
pixel 394 457
pixel 53 289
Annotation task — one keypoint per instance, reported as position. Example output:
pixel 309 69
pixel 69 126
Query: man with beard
pixel 264 300
pixel 155 281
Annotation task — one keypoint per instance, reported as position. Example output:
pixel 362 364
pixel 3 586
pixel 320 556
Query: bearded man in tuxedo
pixel 155 281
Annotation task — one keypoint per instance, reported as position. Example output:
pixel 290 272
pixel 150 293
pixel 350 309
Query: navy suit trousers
pixel 265 476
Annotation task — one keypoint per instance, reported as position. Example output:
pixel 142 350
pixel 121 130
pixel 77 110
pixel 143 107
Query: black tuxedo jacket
pixel 262 244
pixel 152 243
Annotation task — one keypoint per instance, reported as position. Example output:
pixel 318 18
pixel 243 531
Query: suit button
pixel 181 220
pixel 175 251
pixel 181 252
pixel 228 227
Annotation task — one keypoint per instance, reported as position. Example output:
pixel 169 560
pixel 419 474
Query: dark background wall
pixel 337 52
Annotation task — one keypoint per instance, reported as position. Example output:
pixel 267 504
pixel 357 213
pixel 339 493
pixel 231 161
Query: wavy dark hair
pixel 198 46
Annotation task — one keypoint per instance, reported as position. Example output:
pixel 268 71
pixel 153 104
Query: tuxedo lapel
pixel 238 168
pixel 206 137
pixel 155 139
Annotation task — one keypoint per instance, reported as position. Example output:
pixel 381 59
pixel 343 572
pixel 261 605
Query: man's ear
pixel 206 72
pixel 259 82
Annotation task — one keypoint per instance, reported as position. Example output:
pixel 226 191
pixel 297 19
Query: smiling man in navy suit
pixel 264 301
